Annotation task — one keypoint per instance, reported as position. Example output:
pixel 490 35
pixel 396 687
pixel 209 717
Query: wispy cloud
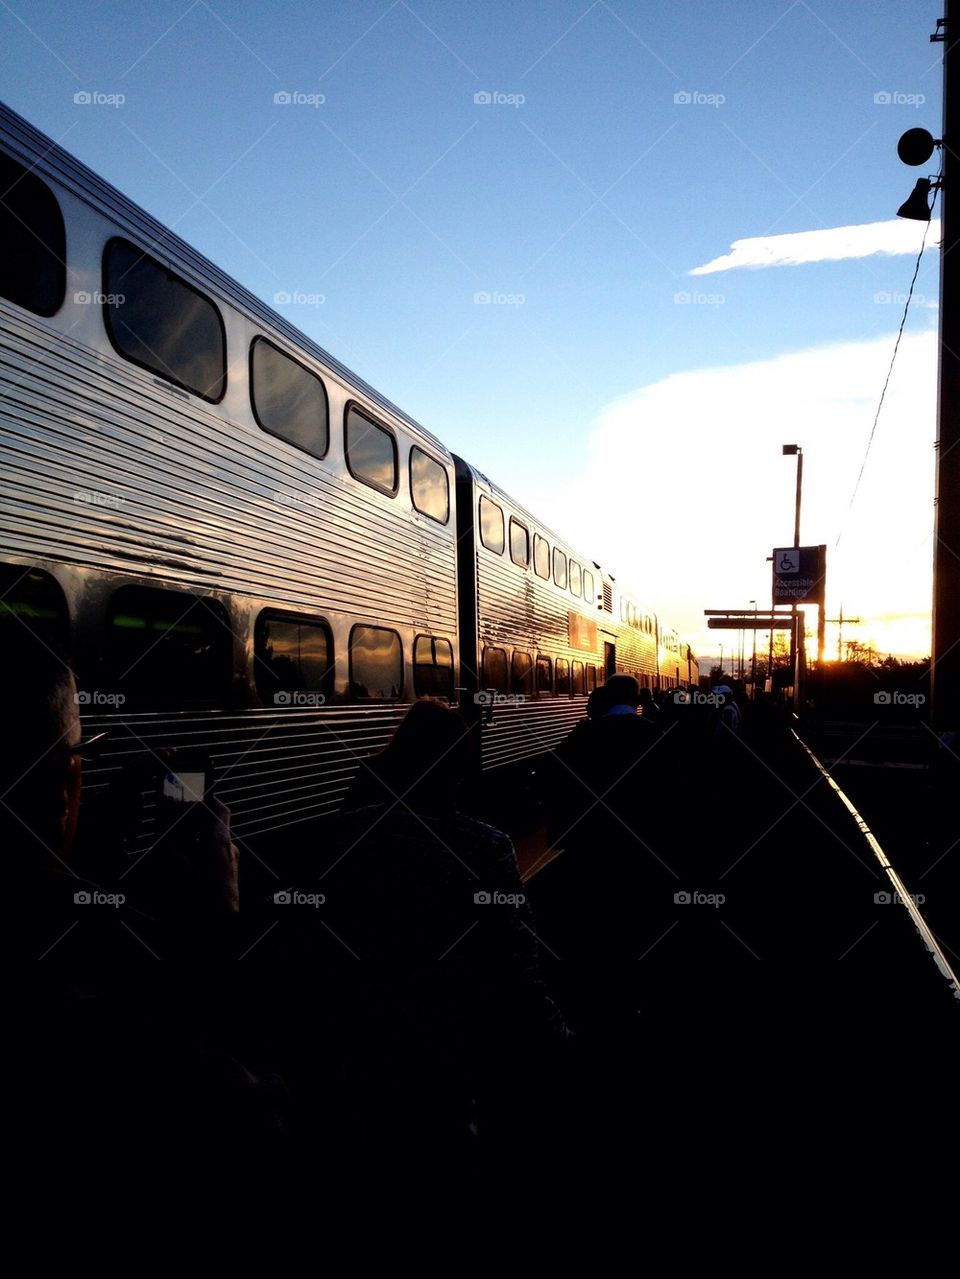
pixel 831 245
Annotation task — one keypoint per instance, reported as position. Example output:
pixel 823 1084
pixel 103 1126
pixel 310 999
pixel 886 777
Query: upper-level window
pixel 623 609
pixel 292 654
pixel 563 675
pixel 288 400
pixel 578 677
pixel 33 270
pixel 559 567
pixel 166 647
pixel 591 677
pixel 429 486
pixel 432 667
pixel 371 452
pixel 544 675
pixel 159 321
pixel 588 587
pixel 541 556
pixel 376 664
pixel 519 543
pixel 576 578
pixel 491 525
pixel 495 669
pixel 521 673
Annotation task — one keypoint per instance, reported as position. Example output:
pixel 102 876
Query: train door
pixel 609 659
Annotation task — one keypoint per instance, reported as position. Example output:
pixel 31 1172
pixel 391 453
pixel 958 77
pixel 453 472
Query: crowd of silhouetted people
pixel 387 992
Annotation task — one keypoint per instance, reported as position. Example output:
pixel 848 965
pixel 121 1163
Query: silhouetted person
pixel 431 903
pixel 612 816
pixel 649 708
pixel 108 1017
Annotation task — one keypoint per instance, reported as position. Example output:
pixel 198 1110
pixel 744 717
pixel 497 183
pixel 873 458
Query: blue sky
pixel 637 408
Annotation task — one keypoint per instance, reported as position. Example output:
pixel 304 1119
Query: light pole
pixel 794 450
pixel 753 660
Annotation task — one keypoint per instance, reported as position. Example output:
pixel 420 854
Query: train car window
pixel 371 452
pixel 432 667
pixel 544 675
pixel 588 587
pixel 429 486
pixel 31 600
pixel 292 654
pixel 491 525
pixel 166 647
pixel 559 567
pixel 591 677
pixel 33 271
pixel 563 675
pixel 495 670
pixel 576 578
pixel 578 678
pixel 519 543
pixel 159 321
pixel 521 674
pixel 376 664
pixel 288 400
pixel 541 556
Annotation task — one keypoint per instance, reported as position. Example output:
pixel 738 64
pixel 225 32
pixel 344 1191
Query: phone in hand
pixel 186 779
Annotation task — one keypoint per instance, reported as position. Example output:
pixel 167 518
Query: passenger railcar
pixel 246 549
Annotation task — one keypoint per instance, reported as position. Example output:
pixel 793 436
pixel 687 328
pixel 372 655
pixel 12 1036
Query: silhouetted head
pixel 428 756
pixel 39 763
pixel 621 690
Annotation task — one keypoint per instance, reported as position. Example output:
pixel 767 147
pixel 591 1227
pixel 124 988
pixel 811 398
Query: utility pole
pixel 945 653
pixel 851 621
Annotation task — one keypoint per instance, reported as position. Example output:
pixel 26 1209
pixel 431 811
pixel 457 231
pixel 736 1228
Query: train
pixel 245 549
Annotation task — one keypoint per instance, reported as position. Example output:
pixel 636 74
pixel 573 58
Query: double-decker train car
pixel 245 549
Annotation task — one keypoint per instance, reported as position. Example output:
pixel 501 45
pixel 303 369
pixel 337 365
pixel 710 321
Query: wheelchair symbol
pixel 787 563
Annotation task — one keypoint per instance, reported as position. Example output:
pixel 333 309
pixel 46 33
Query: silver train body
pixel 222 583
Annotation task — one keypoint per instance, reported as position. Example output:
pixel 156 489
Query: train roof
pixel 46 156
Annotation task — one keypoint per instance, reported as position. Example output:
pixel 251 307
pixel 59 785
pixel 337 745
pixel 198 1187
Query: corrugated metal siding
pixel 196 500
pixel 518 610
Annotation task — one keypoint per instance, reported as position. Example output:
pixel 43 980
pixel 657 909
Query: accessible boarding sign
pixel 799 574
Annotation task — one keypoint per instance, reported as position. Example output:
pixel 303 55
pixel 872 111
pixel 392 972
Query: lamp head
pixel 916 205
pixel 789 450
pixel 916 146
